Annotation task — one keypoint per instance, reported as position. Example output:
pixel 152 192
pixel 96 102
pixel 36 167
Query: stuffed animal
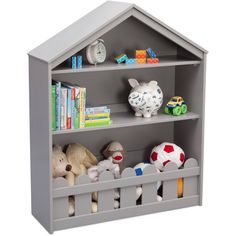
pixel 139 168
pixel 115 152
pixel 95 171
pixel 145 98
pixel 61 168
pixel 80 159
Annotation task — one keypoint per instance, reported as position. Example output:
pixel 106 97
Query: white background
pixel 211 24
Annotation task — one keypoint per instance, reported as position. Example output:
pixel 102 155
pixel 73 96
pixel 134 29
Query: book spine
pixel 76 108
pixel 97 110
pixel 58 105
pixel 63 108
pixel 82 108
pixel 69 95
pixel 53 88
pixel 96 121
pixel 97 116
pixel 107 122
pixel 72 108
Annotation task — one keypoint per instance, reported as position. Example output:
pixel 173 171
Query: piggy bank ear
pixel 133 82
pixel 153 83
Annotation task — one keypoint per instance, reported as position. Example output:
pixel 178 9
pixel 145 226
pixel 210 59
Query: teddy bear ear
pixel 133 82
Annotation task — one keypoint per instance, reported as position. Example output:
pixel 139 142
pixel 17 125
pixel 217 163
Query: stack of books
pixel 97 116
pixel 68 106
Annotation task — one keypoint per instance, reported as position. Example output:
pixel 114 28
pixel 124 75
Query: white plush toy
pixel 145 98
pixel 139 168
pixel 95 171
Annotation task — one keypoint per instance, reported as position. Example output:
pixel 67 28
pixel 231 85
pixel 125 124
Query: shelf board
pixel 127 119
pixel 110 66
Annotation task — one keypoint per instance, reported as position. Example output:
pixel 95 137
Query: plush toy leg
pixel 159 198
pixel 70 177
pixel 94 207
pixel 139 192
pixel 71 206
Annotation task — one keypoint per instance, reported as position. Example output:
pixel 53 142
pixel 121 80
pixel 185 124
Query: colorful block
pixel 151 53
pixel 79 62
pixel 152 60
pixel 121 58
pixel 141 54
pixel 130 61
pixel 73 62
pixel 141 61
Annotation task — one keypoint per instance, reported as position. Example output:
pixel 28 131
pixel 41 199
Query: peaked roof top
pixel 85 27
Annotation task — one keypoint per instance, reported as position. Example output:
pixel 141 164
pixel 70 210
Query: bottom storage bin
pixel 174 194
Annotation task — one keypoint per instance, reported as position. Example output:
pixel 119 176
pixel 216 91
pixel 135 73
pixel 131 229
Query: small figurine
pixel 115 152
pixel 176 106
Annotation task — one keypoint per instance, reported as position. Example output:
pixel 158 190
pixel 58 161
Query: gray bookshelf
pixel 181 71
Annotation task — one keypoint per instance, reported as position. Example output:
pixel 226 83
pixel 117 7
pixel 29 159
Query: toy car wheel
pixel 167 110
pixel 184 108
pixel 177 111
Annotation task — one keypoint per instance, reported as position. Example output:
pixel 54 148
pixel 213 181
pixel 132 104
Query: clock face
pixel 100 52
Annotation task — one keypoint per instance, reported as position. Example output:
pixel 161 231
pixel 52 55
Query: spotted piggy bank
pixel 145 98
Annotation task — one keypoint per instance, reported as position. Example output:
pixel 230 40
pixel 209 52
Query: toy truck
pixel 176 106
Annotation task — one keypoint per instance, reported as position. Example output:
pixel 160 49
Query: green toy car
pixel 176 106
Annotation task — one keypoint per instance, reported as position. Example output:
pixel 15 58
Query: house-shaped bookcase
pixel 181 69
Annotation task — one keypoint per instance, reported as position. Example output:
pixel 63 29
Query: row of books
pixel 69 108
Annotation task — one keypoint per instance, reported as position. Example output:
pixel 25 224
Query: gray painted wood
pixel 106 197
pixel 60 205
pixel 80 30
pixel 124 119
pixel 128 194
pixel 111 66
pixel 125 212
pixel 149 189
pixel 193 92
pixel 190 183
pixel 83 201
pixel 40 142
pixel 131 181
pixel 95 21
pixel 170 187
pixel 138 135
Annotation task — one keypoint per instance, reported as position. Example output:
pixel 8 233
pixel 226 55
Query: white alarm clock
pixel 96 52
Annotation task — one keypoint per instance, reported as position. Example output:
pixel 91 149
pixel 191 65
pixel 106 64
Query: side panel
pixel 40 141
pixel 190 84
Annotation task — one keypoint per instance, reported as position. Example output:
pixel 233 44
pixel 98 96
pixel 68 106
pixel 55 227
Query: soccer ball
pixel 165 153
pixel 139 168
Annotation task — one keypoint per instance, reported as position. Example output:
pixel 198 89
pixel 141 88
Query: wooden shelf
pixel 109 66
pixel 125 119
